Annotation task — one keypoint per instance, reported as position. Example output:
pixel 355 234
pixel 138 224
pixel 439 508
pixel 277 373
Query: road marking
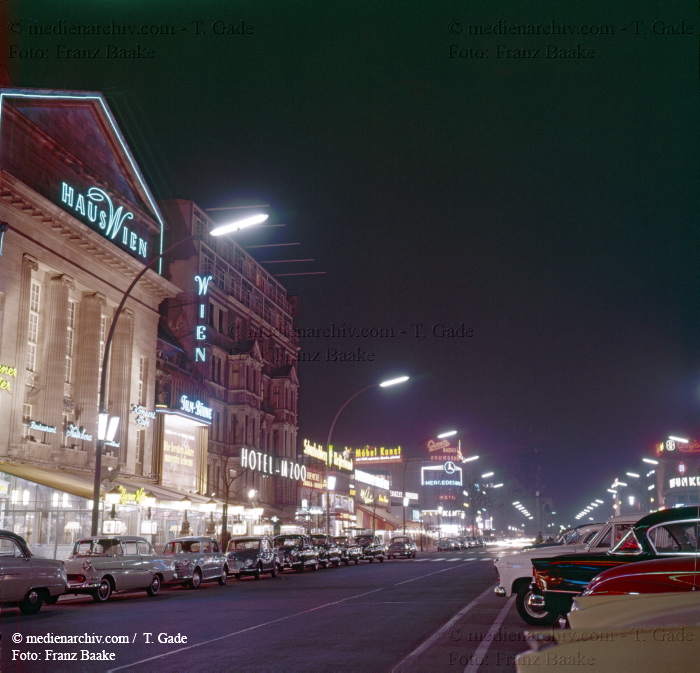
pixel 471 558
pixel 481 651
pixel 442 558
pixel 450 560
pixel 411 659
pixel 485 559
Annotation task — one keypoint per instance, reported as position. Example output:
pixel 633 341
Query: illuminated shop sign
pixel 272 465
pixel 372 480
pixel 195 408
pixel 7 371
pixel 683 482
pixel 314 480
pixel 340 461
pixel 378 454
pixel 367 496
pixel 143 416
pixel 180 456
pixel 671 447
pixel 407 494
pixel 439 476
pixel 97 208
pixel 200 330
pixel 41 427
pixel 443 450
pixel 77 433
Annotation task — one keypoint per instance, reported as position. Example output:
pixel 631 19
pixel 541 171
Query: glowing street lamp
pixel 383 384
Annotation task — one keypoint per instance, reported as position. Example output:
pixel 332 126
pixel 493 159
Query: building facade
pixel 234 322
pixel 78 224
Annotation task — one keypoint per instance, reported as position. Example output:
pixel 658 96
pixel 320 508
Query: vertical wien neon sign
pixel 200 330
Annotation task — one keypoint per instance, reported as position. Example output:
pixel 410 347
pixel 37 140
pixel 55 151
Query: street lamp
pixel 217 231
pixel 186 503
pixel 383 384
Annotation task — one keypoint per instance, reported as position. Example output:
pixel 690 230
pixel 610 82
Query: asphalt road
pixel 434 613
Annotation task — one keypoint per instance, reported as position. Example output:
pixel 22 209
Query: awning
pixel 74 483
pixel 378 520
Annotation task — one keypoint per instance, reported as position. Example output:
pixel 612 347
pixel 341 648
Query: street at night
pixel 395 615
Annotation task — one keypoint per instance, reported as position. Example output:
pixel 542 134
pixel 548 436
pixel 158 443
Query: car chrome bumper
pixel 500 591
pixel 82 586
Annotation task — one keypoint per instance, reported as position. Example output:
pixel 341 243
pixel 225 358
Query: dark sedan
pixel 251 556
pixel 372 548
pixel 329 552
pixel 295 551
pixel 402 546
pixel 349 549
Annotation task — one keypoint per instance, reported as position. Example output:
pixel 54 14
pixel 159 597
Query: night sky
pixel 439 178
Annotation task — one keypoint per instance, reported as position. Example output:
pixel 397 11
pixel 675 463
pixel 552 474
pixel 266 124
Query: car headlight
pixel 249 562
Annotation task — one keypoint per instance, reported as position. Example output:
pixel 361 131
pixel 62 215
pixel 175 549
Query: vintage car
pixel 669 532
pixel 28 581
pixel 295 551
pixel 328 550
pixel 104 564
pixel 401 546
pixel 661 575
pixel 251 556
pixel 613 632
pixel 349 549
pixel 447 544
pixel 372 548
pixel 197 560
pixel 515 570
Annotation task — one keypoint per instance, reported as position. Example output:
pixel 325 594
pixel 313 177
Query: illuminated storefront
pixel 678 472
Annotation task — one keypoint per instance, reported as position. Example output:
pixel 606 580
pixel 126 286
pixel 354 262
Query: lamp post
pixel 186 504
pixel 384 384
pixel 210 507
pixel 217 231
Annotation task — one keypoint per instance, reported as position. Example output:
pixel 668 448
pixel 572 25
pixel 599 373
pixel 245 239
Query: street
pixel 433 613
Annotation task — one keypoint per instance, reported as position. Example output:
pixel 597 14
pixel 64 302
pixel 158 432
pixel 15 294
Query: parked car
pixel 669 532
pixel 447 544
pixel 372 548
pixel 251 556
pixel 295 551
pixel 197 560
pixel 328 550
pixel 661 575
pixel 349 549
pixel 28 581
pixel 402 546
pixel 102 565
pixel 515 570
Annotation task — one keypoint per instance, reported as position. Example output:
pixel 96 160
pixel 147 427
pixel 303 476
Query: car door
pixel 16 574
pixel 209 563
pixel 147 558
pixel 133 570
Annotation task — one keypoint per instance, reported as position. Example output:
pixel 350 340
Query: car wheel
pixel 154 586
pixel 371 559
pixel 336 564
pixel 196 581
pixel 256 573
pixel 103 592
pixel 381 559
pixel 273 572
pixel 299 568
pixel 315 566
pixel 357 561
pixel 346 561
pixel 31 604
pixel 223 578
pixel 532 615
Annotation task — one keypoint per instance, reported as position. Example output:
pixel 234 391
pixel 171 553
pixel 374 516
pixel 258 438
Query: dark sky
pixel 549 204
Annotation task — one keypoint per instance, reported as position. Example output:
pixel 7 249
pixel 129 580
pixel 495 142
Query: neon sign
pixel 35 425
pixel 273 465
pixel 77 433
pixel 452 476
pixel 196 408
pixel 8 371
pixel 108 221
pixel 338 460
pixel 200 330
pixel 143 415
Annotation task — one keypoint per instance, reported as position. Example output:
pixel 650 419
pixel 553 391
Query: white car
pixel 515 570
pixel 104 564
pixel 28 581
pixel 197 560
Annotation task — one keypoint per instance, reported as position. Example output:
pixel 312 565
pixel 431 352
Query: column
pixel 87 364
pixel 29 265
pixel 54 360
pixel 120 381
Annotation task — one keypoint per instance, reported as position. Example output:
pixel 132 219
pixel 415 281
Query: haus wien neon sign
pixel 97 208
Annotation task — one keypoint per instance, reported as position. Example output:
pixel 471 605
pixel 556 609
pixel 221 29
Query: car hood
pixel 243 553
pixel 525 557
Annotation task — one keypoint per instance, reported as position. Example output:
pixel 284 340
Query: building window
pixel 33 330
pixel 140 450
pixel 70 342
pixel 236 370
pixel 26 417
pixel 103 338
pixel 143 363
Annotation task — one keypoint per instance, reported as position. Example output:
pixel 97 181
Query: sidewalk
pixel 486 635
